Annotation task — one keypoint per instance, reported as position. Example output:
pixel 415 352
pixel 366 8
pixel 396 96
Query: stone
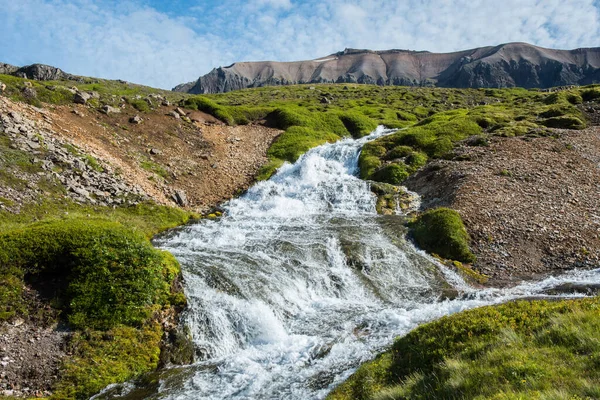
pixel 155 152
pixel 180 198
pixel 136 119
pixel 180 112
pixel 81 97
pixel 174 115
pixel 2 87
pixel 106 109
pixel 29 92
pixel 166 103
pixel 325 100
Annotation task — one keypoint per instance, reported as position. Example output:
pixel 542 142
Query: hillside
pixel 104 165
pixel 506 65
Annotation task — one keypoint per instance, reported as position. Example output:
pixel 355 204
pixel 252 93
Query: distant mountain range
pixel 506 65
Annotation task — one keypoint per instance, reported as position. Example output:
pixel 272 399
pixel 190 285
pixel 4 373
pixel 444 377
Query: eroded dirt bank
pixel 531 205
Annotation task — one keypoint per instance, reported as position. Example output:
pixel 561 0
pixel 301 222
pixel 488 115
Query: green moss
pixel 564 123
pixel 441 231
pixel 590 94
pixel 513 351
pixel 210 107
pixel 139 104
pixel 153 167
pixel 394 173
pixel 358 125
pixel 267 170
pixel 104 357
pixel 296 140
pixel 113 275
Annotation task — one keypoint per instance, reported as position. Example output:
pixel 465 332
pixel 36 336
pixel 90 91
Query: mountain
pixel 506 65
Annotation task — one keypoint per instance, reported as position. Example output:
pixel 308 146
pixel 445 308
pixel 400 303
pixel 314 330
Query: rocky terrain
pixel 507 65
pixel 116 155
pixel 529 204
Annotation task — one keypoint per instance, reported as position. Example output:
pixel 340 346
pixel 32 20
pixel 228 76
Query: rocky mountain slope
pixel 506 65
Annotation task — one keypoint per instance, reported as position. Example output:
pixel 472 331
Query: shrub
pixel 441 231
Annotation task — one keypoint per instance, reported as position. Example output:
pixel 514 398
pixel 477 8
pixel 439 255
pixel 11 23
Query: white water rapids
pixel 301 281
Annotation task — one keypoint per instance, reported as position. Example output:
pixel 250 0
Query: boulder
pixel 106 109
pixel 180 198
pixel 136 119
pixel 29 92
pixel 81 97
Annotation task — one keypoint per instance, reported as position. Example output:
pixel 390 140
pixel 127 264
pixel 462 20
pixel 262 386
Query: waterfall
pixel 299 282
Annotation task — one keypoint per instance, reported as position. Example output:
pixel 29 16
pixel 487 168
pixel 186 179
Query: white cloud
pixel 140 44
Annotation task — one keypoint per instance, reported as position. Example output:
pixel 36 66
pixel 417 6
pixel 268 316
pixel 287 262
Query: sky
pixel 162 43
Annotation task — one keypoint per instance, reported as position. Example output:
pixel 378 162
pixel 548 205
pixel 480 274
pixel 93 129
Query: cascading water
pixel 299 282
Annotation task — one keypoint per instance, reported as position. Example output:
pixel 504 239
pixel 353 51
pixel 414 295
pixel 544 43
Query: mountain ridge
pixel 505 65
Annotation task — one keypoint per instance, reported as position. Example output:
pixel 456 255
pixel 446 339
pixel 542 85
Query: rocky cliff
pixel 507 65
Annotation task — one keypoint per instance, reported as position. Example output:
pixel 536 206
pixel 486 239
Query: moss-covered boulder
pixel 441 231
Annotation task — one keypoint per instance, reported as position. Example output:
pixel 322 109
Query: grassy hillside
pixel 436 119
pixel 519 350
pixel 113 287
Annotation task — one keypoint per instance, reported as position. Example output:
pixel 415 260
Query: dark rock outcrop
pixel 38 72
pixel 507 65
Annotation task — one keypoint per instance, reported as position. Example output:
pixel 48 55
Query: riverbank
pixel 529 204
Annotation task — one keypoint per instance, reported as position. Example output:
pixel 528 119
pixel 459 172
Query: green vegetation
pixel 104 357
pixel 441 231
pixel 108 283
pixel 435 118
pixel 153 167
pixel 518 350
pixel 139 104
pixel 61 92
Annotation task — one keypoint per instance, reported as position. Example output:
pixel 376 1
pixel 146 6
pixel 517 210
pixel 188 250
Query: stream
pixel 301 281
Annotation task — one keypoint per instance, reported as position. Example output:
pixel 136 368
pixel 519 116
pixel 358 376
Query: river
pixel 300 281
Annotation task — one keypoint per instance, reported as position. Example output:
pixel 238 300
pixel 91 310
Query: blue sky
pixel 164 43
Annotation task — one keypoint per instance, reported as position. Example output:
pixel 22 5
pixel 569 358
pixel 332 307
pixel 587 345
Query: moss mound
pixel 518 350
pixel 441 231
pixel 112 275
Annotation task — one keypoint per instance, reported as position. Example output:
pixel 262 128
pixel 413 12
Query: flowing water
pixel 300 281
